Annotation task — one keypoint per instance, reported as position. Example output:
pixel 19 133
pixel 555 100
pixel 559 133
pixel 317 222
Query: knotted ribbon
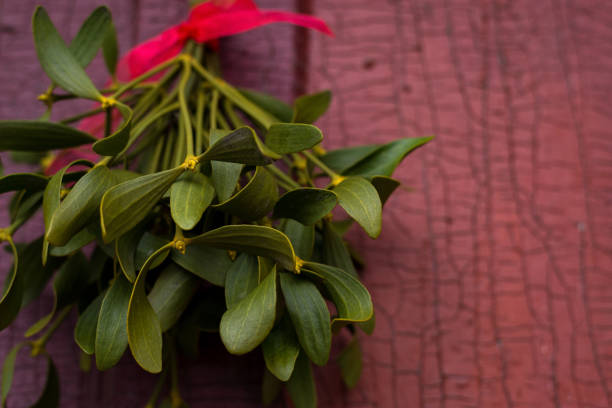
pixel 208 21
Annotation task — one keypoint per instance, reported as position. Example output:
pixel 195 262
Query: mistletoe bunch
pixel 203 208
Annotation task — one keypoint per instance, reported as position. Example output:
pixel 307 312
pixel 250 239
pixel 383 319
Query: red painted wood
pixel 492 277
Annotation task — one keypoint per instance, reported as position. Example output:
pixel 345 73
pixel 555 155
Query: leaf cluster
pixel 209 211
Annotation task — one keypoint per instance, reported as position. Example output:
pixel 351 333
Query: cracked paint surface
pixel 492 278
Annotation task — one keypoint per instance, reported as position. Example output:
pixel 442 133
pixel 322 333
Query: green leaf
pixel 27 206
pixel 125 250
pixel 51 201
pixel 308 108
pixel 246 325
pixel 78 241
pixel 143 324
pixel 50 396
pixel 85 329
pixel 23 181
pixel 309 315
pixel 57 60
pixel 111 332
pixel 208 263
pixel 352 299
pixel 286 138
pixel 281 349
pixel 270 104
pixel 369 325
pixel 301 385
pixel 252 239
pixel 385 159
pixel 88 40
pixel 110 49
pixel 341 160
pixel 171 294
pixel 224 175
pixel 264 267
pixel 36 136
pixel 32 271
pixel 10 302
pixel 240 146
pixel 350 361
pixel 385 186
pixel 8 369
pixel 68 284
pixel 306 205
pixel 190 195
pixel 270 388
pixel 302 238
pixel 361 201
pixel 255 200
pixel 242 277
pixel 335 252
pixel 79 206
pixel 116 141
pixel 147 245
pixel 126 204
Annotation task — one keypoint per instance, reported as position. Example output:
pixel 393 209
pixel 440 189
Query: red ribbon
pixel 206 22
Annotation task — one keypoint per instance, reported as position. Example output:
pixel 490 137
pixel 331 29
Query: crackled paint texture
pixel 492 278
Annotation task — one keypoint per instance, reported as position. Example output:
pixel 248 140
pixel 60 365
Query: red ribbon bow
pixel 207 21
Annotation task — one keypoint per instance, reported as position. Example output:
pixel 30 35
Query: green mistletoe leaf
pixel 190 195
pixel 12 296
pixel 85 329
pixel 286 138
pixel 87 41
pixel 126 204
pixel 224 175
pixel 57 60
pixel 241 279
pixel 301 385
pixel 385 186
pixel 51 392
pixel 38 136
pixel 8 370
pixel 341 160
pixel 240 146
pixel 309 315
pixel 281 349
pixel 255 200
pixel 385 159
pixel 23 181
pixel 116 141
pixel 308 108
pixel 171 294
pixel 302 238
pixel 110 49
pixel 208 263
pixel 143 325
pixel 251 239
pixel 350 362
pixel 111 332
pixel 270 388
pixel 361 201
pixel 352 299
pixel 52 199
pixel 306 205
pixel 245 325
pixel 125 250
pixel 79 206
pixel 335 252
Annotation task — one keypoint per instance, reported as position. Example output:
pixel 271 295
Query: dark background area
pixel 492 278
